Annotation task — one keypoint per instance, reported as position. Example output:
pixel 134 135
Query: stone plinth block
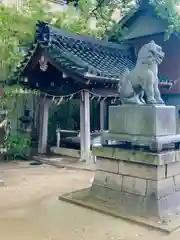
pixel 139 186
pixel 148 158
pixel 141 183
pixel 144 120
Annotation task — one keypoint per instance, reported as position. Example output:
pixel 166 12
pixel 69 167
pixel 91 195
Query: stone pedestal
pixel 144 120
pixel 139 183
pixel 148 125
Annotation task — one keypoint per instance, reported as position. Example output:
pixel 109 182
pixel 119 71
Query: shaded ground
pixel 30 208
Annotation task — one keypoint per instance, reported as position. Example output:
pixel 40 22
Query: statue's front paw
pixel 151 101
pixel 160 101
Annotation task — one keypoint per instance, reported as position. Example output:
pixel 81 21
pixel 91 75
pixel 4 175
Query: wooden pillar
pixel 103 115
pixel 85 139
pixel 43 131
pixel 58 136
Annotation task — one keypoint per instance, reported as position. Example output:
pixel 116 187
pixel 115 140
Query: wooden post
pixel 85 139
pixel 43 131
pixel 103 115
pixel 58 136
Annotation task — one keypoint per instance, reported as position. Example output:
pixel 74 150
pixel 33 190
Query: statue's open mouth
pixel 160 57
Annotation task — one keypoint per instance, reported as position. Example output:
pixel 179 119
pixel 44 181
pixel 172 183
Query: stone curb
pixel 143 223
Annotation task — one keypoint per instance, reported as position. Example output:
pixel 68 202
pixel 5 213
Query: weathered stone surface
pixel 173 202
pixel 137 156
pixel 177 182
pixel 134 185
pixel 177 154
pixel 107 165
pixel 168 157
pixel 134 204
pixel 106 194
pixel 66 152
pixel 148 120
pixel 143 77
pixel 155 144
pixel 131 204
pixel 110 180
pixel 103 152
pixel 173 169
pixel 149 183
pixel 169 205
pixel 162 188
pixel 162 207
pixel 141 170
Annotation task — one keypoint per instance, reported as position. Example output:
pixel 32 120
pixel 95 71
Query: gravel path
pixel 30 209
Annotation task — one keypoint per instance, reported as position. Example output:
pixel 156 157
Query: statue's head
pixel 151 53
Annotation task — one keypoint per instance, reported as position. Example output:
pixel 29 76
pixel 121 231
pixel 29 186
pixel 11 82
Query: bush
pixel 18 145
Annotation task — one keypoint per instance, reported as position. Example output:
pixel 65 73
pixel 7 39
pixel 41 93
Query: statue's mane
pixel 145 53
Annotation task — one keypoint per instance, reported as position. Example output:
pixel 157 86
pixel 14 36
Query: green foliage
pixel 11 97
pixel 17 26
pixel 168 10
pixel 17 30
pixel 103 12
pixel 18 145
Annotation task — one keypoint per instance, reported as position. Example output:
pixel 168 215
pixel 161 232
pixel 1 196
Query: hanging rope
pixel 59 99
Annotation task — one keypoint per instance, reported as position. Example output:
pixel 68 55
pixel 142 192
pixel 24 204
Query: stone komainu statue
pixel 143 79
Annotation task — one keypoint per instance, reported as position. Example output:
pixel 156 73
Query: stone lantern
pixel 26 121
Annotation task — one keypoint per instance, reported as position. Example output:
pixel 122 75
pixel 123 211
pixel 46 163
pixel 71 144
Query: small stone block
pixel 173 202
pixel 105 193
pixel 134 185
pixel 107 165
pixel 148 120
pixel 160 188
pixel 173 169
pixel 102 152
pixel 177 155
pixel 110 180
pixel 177 182
pixel 142 170
pixel 66 152
pixel 149 158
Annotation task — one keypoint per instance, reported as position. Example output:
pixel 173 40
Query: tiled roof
pixel 88 57
pixel 84 55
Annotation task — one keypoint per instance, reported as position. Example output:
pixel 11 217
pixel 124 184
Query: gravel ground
pixel 30 209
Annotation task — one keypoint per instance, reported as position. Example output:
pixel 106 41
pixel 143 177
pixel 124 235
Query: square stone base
pixel 143 120
pixel 144 183
pixel 86 198
pixel 140 186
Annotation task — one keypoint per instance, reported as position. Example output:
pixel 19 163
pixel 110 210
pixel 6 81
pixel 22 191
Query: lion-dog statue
pixel 143 80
